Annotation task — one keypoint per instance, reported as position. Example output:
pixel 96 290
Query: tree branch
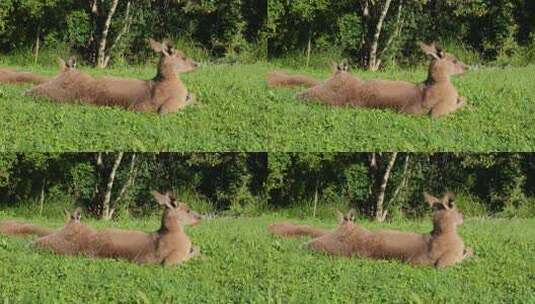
pixel 380 214
pixel 106 214
pixel 104 37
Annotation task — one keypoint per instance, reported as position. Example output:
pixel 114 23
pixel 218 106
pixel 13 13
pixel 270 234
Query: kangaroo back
pixel 72 239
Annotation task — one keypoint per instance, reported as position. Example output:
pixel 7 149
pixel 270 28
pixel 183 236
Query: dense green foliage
pixel 236 112
pixel 491 29
pixel 242 263
pixel 252 183
pixel 231 29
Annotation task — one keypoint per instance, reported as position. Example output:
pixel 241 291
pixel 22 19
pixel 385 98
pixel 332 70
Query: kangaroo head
pixel 445 213
pixel 341 67
pixel 171 57
pixel 67 66
pixel 346 221
pixel 442 64
pixel 176 213
pixel 73 217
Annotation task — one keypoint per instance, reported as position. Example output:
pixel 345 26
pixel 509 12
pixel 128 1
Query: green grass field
pixel 237 112
pixel 243 264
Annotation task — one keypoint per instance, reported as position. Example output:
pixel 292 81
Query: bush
pixel 469 205
pixel 524 209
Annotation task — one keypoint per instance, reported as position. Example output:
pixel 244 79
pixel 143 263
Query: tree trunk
pixel 37 45
pixel 316 197
pixel 380 214
pixel 373 169
pixel 124 30
pixel 131 177
pixel 404 180
pixel 397 31
pixel 42 197
pixel 309 48
pixel 373 61
pixel 107 211
pixel 101 54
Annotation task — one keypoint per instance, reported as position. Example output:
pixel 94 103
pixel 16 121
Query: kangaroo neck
pixel 441 231
pixel 165 73
pixel 166 229
pixel 434 80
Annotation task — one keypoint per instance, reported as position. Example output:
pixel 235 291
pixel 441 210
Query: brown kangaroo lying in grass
pixel 72 239
pixel 20 229
pixel 163 94
pixel 13 76
pixel 168 246
pixel 442 247
pixel 436 96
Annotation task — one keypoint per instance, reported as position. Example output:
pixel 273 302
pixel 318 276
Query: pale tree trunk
pixel 124 30
pixel 107 211
pixel 309 48
pixel 37 45
pixel 373 170
pixel 397 31
pixel 101 54
pixel 316 198
pixel 42 197
pixel 373 61
pixel 380 213
pixel 403 182
pixel 130 182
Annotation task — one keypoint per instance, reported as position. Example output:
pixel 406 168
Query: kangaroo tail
pixel 12 76
pixel 293 230
pixel 282 79
pixel 16 228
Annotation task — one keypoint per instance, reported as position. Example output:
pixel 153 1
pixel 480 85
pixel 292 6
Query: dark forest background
pixel 115 31
pixel 372 33
pixel 375 33
pixel 379 185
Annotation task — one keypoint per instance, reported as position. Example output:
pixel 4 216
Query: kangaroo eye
pixel 455 61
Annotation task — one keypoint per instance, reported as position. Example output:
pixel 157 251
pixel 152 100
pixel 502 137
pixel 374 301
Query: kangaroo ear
pixel 343 66
pixel 430 50
pixel 77 214
pixel 155 46
pixel 62 64
pixel 447 199
pixel 434 202
pixel 168 47
pixel 71 63
pixel 350 216
pixel 162 199
pixel 339 216
pixel 67 214
pixel 173 201
pixel 431 200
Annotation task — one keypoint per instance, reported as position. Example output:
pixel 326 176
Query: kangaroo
pixel 165 93
pixel 441 248
pixel 168 246
pixel 21 229
pixel 72 239
pixel 436 96
pixel 13 76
